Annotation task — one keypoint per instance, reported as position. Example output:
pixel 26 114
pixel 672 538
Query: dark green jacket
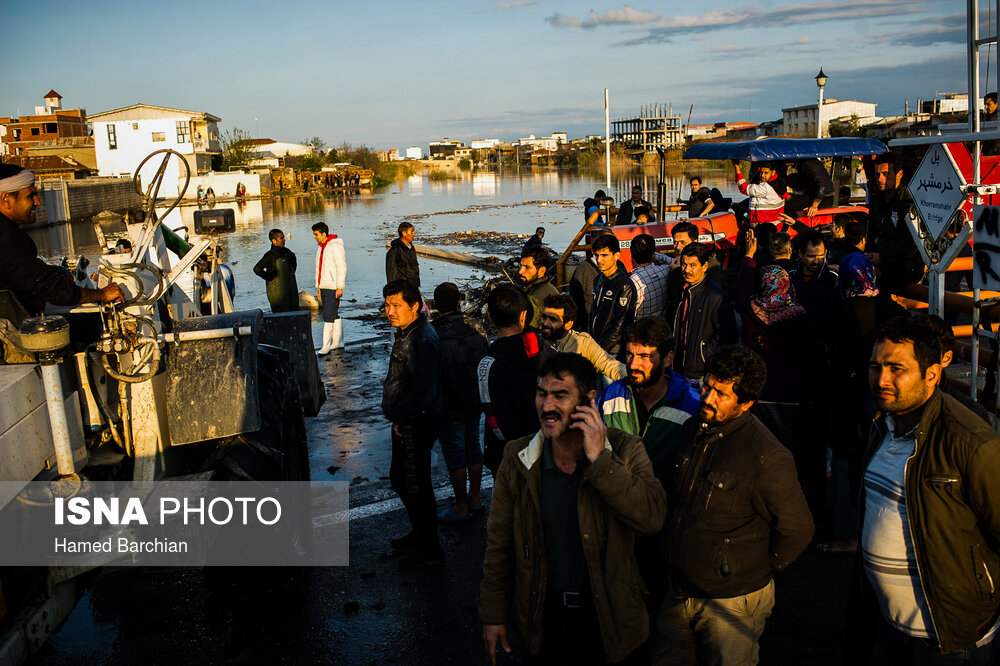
pixel 952 491
pixel 618 498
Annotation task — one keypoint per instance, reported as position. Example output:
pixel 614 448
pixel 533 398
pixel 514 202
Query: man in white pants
pixel 331 273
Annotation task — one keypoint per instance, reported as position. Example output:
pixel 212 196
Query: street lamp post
pixel 820 82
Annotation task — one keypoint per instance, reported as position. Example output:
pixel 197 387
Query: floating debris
pixel 476 209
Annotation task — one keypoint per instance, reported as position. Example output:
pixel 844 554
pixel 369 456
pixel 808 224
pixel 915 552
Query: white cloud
pixel 627 15
pixel 653 28
pixel 514 4
pixel 561 21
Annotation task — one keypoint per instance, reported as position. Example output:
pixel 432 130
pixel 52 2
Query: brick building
pixel 49 122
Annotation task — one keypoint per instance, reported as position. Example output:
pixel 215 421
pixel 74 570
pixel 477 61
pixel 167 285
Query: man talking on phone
pixel 567 504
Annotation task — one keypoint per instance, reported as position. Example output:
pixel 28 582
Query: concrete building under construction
pixel 654 127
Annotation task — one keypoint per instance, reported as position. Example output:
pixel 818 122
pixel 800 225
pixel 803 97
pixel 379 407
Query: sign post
pixel 938 190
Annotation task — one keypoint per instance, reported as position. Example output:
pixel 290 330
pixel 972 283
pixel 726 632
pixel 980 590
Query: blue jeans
pixel 460 442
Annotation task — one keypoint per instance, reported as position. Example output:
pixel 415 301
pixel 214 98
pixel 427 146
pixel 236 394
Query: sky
pixel 393 74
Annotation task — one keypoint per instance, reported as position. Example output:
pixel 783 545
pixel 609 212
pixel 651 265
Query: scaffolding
pixel 654 127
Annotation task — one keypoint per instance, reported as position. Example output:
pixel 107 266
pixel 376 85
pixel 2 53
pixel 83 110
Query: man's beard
pixel 554 334
pixel 654 376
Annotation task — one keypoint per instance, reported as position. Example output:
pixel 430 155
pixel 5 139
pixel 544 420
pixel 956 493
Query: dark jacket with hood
pixel 401 263
pixel 581 290
pixel 410 389
pixel 889 235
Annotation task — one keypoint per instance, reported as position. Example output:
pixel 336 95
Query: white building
pixel 414 153
pixel 550 142
pixel 484 144
pixel 124 137
pixel 271 153
pixel 801 120
pixel 945 103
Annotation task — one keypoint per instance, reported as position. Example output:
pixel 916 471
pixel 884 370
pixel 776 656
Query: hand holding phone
pixel 588 420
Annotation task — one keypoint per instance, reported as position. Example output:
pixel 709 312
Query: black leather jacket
pixel 953 508
pixel 736 512
pixel 410 389
pixel 613 309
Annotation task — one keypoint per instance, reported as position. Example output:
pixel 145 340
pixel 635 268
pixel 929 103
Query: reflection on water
pixel 476 201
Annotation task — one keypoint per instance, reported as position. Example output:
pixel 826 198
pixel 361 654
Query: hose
pixel 128 271
pixel 153 356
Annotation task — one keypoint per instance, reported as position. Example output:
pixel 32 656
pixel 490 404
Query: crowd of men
pixel 658 442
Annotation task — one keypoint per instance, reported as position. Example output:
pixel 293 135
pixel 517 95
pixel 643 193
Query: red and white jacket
pixel 767 200
pixel 331 264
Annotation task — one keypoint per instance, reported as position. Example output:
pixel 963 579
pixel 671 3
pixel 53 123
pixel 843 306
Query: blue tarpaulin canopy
pixel 763 150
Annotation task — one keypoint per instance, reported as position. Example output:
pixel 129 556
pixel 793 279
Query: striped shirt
pixel 886 544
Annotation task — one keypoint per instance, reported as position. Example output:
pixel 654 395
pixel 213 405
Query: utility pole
pixel 607 142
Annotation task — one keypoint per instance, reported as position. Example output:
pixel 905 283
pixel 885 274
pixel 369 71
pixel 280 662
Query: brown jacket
pixel 618 498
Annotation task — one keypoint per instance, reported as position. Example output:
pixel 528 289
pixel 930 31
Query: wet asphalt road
pixel 369 612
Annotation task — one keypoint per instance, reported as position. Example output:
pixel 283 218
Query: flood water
pixel 476 201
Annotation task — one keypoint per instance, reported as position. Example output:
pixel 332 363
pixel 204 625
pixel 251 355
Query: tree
pixel 318 144
pixel 238 149
pixel 850 127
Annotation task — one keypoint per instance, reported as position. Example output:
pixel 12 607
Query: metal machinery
pixel 157 387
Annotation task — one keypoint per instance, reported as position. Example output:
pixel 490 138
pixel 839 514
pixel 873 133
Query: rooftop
pixel 46 163
pixel 149 111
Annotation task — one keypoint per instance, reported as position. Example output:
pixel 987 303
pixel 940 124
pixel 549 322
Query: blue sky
pixel 392 74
